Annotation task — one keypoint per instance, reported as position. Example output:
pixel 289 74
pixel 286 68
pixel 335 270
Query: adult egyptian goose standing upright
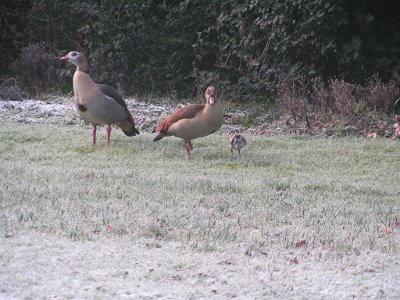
pixel 98 103
pixel 193 121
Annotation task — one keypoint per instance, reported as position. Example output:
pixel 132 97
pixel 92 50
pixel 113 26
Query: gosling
pixel 237 142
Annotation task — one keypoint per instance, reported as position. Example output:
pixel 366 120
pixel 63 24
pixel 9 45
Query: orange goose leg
pixel 108 134
pixel 94 134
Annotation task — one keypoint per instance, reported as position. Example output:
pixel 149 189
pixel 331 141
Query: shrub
pixel 380 96
pixel 36 69
pixel 10 92
pixel 321 96
pixel 292 94
pixel 344 98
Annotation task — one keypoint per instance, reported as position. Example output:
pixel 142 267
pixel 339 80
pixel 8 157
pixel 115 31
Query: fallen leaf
pixel 109 227
pixel 202 275
pixel 229 295
pixel 294 261
pixel 300 244
pixel 369 271
pixel 388 230
pixel 177 277
pixel 100 286
pixel 224 262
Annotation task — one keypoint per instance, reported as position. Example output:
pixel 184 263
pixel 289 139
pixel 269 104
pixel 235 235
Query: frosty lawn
pixel 290 211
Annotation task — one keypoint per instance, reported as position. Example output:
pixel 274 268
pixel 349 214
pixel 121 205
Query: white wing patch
pixel 109 98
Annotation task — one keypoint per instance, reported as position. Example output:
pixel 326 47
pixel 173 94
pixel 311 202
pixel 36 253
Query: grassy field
pixel 288 199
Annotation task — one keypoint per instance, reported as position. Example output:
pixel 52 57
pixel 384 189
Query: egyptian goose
pixel 237 142
pixel 193 121
pixel 98 103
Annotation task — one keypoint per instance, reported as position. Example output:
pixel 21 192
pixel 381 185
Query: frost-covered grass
pixel 338 195
pixel 306 198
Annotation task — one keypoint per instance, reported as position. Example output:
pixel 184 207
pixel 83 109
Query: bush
pixel 293 94
pixel 321 96
pixel 380 96
pixel 37 71
pixel 10 92
pixel 344 99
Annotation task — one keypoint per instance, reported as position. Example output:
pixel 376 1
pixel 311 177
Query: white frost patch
pixel 35 105
pixel 42 266
pixel 60 110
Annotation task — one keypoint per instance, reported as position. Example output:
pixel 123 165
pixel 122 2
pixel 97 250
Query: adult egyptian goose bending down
pixel 193 121
pixel 98 103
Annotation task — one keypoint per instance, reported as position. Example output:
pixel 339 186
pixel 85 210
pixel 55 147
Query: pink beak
pixel 211 100
pixel 64 58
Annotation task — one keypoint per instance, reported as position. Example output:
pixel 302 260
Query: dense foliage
pixel 177 47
